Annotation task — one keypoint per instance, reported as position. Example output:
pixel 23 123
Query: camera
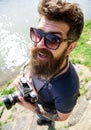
pixel 25 90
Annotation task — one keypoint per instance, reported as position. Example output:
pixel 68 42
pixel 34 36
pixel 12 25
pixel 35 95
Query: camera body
pixel 25 90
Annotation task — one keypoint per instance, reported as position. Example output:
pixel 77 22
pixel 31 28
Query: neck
pixel 63 68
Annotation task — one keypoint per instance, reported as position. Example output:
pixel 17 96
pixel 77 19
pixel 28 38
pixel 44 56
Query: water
pixel 16 17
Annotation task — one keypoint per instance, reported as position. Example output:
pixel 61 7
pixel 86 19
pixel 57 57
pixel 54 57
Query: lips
pixel 42 56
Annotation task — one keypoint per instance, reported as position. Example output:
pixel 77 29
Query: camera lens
pixel 7 101
pixel 10 100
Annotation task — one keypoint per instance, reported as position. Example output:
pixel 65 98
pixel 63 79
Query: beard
pixel 45 68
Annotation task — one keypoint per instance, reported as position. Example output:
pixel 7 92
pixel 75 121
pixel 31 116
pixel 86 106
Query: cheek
pixel 54 53
pixel 59 52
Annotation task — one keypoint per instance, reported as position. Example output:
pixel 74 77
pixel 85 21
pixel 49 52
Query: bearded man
pixel 53 75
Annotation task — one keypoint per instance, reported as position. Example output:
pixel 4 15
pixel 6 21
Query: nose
pixel 41 44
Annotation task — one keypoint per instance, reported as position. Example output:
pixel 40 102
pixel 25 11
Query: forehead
pixel 53 26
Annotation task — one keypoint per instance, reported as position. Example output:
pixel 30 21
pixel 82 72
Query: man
pixel 56 35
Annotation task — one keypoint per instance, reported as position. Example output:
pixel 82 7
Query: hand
pixel 17 80
pixel 22 102
pixel 27 105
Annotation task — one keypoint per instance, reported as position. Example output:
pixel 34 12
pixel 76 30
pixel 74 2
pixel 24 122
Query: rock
pixel 88 90
pixel 85 122
pixel 21 119
pixel 78 111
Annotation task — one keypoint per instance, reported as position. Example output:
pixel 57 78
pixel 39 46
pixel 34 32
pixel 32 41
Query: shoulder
pixel 69 78
pixel 67 83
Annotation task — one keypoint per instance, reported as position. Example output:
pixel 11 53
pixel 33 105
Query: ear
pixel 71 47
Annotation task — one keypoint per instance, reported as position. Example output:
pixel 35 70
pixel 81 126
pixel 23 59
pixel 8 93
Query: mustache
pixel 44 51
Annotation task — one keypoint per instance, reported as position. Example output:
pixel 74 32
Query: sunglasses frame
pixel 44 34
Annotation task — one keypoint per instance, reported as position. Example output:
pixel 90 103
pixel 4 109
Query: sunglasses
pixel 51 41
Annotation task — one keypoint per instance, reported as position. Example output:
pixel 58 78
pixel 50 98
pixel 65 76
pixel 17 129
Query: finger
pixel 17 81
pixel 21 101
pixel 28 77
pixel 24 103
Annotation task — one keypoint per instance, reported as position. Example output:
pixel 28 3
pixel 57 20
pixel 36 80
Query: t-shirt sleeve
pixel 66 104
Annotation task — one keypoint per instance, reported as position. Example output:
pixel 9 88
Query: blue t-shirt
pixel 61 93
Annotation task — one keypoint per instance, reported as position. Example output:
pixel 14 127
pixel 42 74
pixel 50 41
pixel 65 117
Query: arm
pixel 39 110
pixel 54 117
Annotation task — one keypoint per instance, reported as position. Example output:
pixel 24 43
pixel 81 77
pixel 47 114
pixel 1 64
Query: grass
pixel 82 90
pixel 6 91
pixel 82 53
pixel 5 122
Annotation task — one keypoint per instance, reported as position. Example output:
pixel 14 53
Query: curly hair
pixel 70 13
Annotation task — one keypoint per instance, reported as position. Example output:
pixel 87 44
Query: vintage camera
pixel 24 90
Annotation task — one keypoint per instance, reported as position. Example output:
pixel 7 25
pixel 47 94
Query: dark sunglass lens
pixel 52 41
pixel 35 35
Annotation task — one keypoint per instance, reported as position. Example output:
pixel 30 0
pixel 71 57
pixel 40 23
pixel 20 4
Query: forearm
pixel 53 117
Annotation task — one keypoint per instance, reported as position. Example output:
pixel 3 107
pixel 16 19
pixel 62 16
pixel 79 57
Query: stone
pixel 78 111
pixel 85 122
pixel 88 90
